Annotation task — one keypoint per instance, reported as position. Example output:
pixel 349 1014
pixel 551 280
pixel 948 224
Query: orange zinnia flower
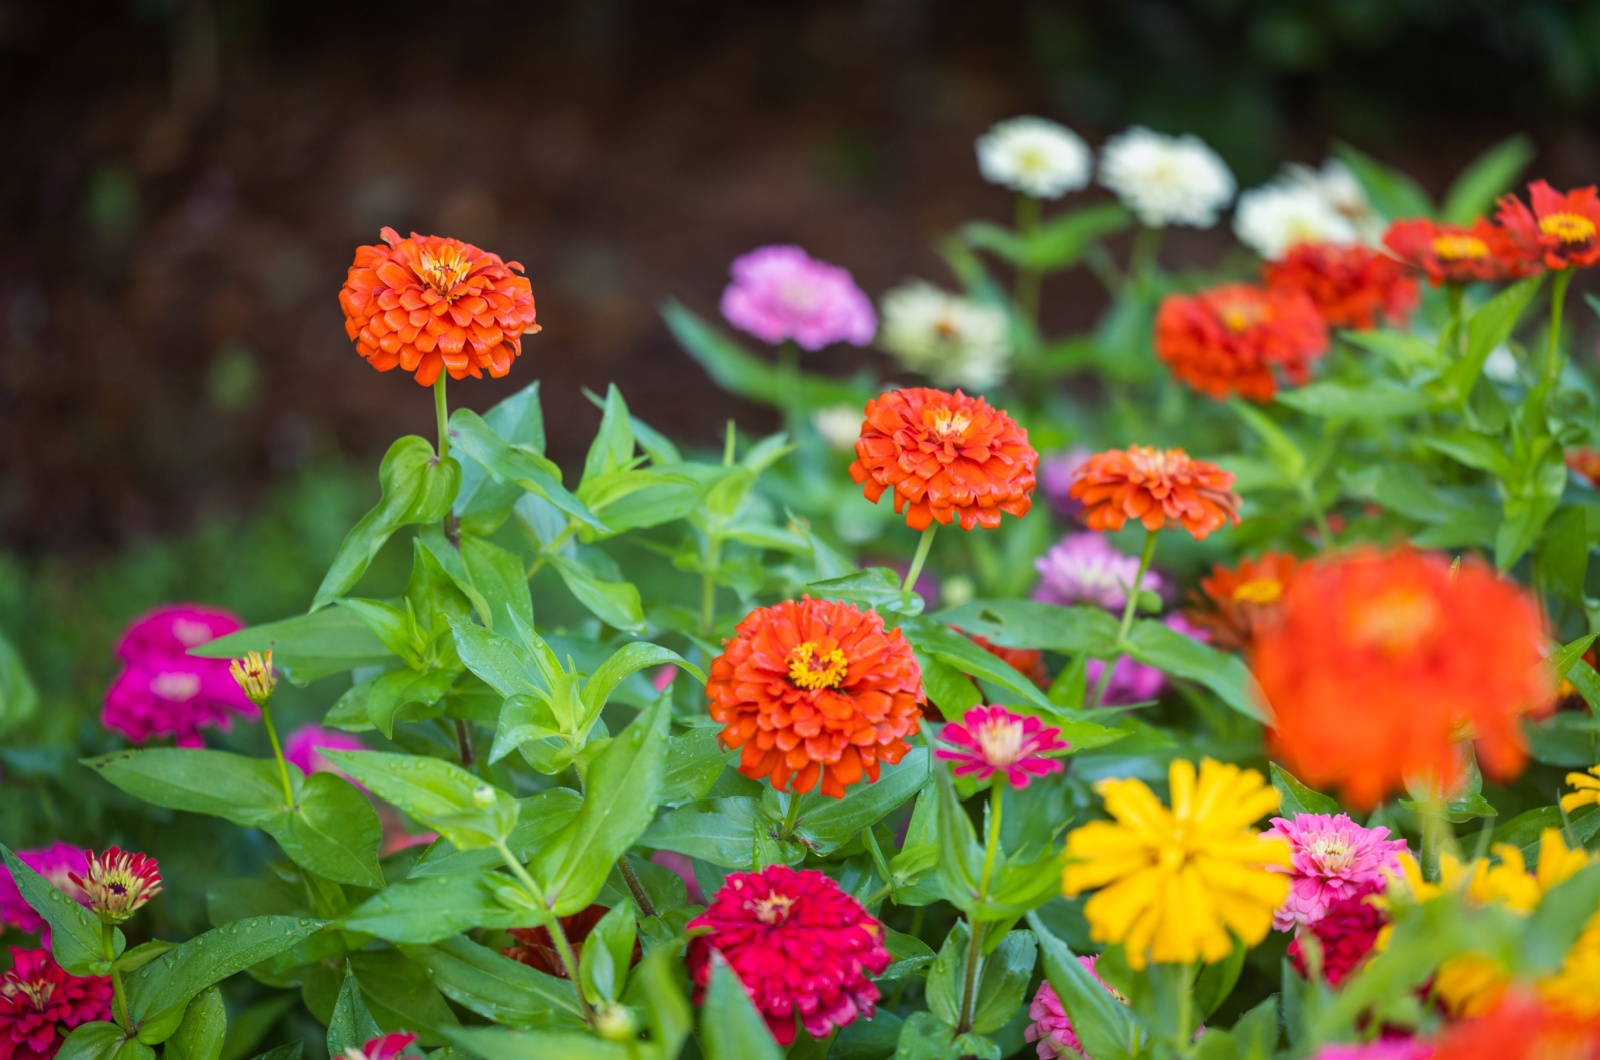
pixel 430 305
pixel 946 456
pixel 1234 606
pixel 1562 229
pixel 1380 661
pixel 815 690
pixel 1231 338
pixel 1520 1028
pixel 1458 254
pixel 1585 463
pixel 1352 285
pixel 1152 486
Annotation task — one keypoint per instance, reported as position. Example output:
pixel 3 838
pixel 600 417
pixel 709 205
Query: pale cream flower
pixel 952 340
pixel 1166 180
pixel 1034 156
pixel 1274 217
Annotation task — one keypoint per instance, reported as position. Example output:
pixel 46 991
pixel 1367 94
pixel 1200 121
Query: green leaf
pixel 616 603
pixel 306 647
pixel 627 661
pixel 1563 553
pixel 1405 351
pixel 730 1026
pixel 502 989
pixel 289 1051
pixel 417 488
pixel 485 501
pixel 1562 916
pixel 926 1037
pixel 831 823
pixel 491 578
pixel 1375 400
pixel 1285 455
pixel 19 699
pixel 245 791
pixel 1107 1028
pixel 333 831
pixel 1295 798
pixel 204 1028
pixel 427 909
pixel 1487 328
pixel 400 996
pixel 1031 624
pixel 75 934
pixel 538 818
pixel 739 372
pixel 210 958
pixel 960 855
pixel 607 953
pixel 1216 981
pixel 498 1043
pixel 1154 643
pixel 1394 194
pixel 502 663
pixel 440 795
pixel 695 760
pixel 1003 981
pixel 654 987
pixel 391 693
pixel 352 1025
pixel 932 637
pixel 516 464
pixel 719 831
pixel 613 443
pixel 877 588
pixel 1486 178
pixel 102 1041
pixel 1055 245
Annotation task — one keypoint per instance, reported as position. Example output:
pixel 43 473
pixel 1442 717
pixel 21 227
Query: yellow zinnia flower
pixel 1586 790
pixel 1575 989
pixel 1174 883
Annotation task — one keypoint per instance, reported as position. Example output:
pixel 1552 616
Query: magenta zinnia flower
pixel 163 690
pixel 304 746
pixel 1381 1049
pixel 169 632
pixel 1347 931
pixel 801 946
pixel 1332 858
pixel 1084 568
pixel 781 292
pixel 40 1003
pixel 1051 1026
pixel 118 883
pixel 56 863
pixel 990 740
pixel 383 1047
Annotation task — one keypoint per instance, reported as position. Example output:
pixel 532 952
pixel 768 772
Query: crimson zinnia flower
pixel 800 946
pixel 40 1004
pixel 1381 662
pixel 429 305
pixel 1458 254
pixel 1347 932
pixel 1152 486
pixel 383 1047
pixel 816 690
pixel 1238 337
pixel 119 883
pixel 946 456
pixel 1352 285
pixel 990 740
pixel 1234 605
pixel 1560 228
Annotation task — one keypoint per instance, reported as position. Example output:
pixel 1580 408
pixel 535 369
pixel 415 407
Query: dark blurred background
pixel 185 182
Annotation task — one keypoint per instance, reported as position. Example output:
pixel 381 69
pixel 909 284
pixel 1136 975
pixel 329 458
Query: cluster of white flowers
pixel 952 340
pixel 1166 180
pixel 1034 156
pixel 1306 205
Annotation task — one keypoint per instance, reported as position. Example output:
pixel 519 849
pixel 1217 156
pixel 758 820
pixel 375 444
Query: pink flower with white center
pixel 1052 1027
pixel 1331 858
pixel 56 863
pixel 781 292
pixel 163 690
pixel 383 1047
pixel 990 740
pixel 304 746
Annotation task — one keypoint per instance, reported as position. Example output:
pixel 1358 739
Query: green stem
pixel 1029 280
pixel 1127 619
pixel 991 850
pixel 277 753
pixel 545 553
pixel 464 744
pixel 1452 294
pixel 917 561
pixel 1437 836
pixel 970 981
pixel 708 585
pixel 879 895
pixel 791 814
pixel 789 374
pixel 1142 258
pixel 1558 297
pixel 569 963
pixel 640 898
pixel 1309 493
pixel 1185 1012
pixel 991 844
pixel 108 946
pixel 442 413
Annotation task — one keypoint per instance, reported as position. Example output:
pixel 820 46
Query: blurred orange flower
pixel 1520 1028
pixel 1234 606
pixel 1381 661
pixel 946 456
pixel 1352 285
pixel 1458 253
pixel 1231 338
pixel 815 690
pixel 1152 486
pixel 429 305
pixel 1562 229
pixel 1585 462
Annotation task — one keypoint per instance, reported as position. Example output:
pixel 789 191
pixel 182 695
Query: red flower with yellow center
pixel 430 305
pixel 1458 254
pixel 1153 486
pixel 1352 285
pixel 946 456
pixel 1235 605
pixel 815 690
pixel 1238 337
pixel 1561 229
pixel 1380 662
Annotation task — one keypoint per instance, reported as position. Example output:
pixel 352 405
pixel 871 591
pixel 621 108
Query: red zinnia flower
pixel 430 305
pixel 1347 933
pixel 1231 339
pixel 40 1003
pixel 1152 486
pixel 1382 661
pixel 1561 229
pixel 1458 254
pixel 799 945
pixel 1352 285
pixel 816 690
pixel 1585 462
pixel 990 740
pixel 383 1047
pixel 119 883
pixel 946 456
pixel 537 948
pixel 1233 605
pixel 1520 1028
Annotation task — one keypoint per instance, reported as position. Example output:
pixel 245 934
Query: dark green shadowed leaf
pixel 730 1026
pixel 352 1025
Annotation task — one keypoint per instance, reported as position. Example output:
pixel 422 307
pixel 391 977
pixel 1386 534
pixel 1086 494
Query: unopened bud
pixel 615 1023
pixel 254 674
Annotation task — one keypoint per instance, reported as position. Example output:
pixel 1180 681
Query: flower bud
pixel 254 674
pixel 615 1023
pixel 119 883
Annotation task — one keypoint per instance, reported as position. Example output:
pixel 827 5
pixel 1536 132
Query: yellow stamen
pixel 1567 227
pixel 1458 247
pixel 809 671
pixel 946 424
pixel 1239 315
pixel 444 269
pixel 1397 621
pixel 773 909
pixel 254 675
pixel 1259 591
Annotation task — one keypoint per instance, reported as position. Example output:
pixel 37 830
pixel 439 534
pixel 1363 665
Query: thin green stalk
pixel 108 946
pixel 791 814
pixel 1453 292
pixel 1142 258
pixel 991 850
pixel 442 414
pixel 1185 1011
pixel 879 895
pixel 464 744
pixel 1437 835
pixel 545 553
pixel 640 898
pixel 708 585
pixel 970 981
pixel 277 753
pixel 1127 619
pixel 789 375
pixel 991 845
pixel 917 561
pixel 1309 493
pixel 569 962
pixel 1558 297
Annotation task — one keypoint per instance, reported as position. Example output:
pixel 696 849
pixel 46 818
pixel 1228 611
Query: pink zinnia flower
pixel 118 883
pixel 1331 858
pixel 175 697
pixel 40 1004
pixel 1051 1026
pixel 1347 932
pixel 1085 568
pixel 990 740
pixel 302 748
pixel 56 863
pixel 800 945
pixel 781 292
pixel 1381 1049
pixel 169 632
pixel 383 1047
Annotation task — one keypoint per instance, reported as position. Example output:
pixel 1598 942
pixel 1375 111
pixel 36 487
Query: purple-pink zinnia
pixel 990 740
pixel 163 690
pixel 781 292
pixel 1331 859
pixel 56 863
pixel 304 746
pixel 1084 568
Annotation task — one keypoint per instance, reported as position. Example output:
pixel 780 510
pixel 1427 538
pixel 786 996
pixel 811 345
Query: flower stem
pixel 108 946
pixel 1127 619
pixel 991 845
pixel 1437 836
pixel 277 753
pixel 1452 294
pixel 970 982
pixel 640 898
pixel 1558 297
pixel 917 561
pixel 791 814
pixel 569 963
pixel 991 849
pixel 442 413
pixel 1142 258
pixel 464 744
pixel 708 585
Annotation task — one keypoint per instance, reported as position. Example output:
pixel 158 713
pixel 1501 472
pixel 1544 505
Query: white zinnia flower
pixel 839 425
pixel 1274 217
pixel 1166 180
pixel 1340 188
pixel 1034 156
pixel 952 340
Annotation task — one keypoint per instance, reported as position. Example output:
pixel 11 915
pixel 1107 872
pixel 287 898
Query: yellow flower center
pixel 1258 591
pixel 1397 621
pixel 811 671
pixel 39 991
pixel 1458 247
pixel 1332 852
pixel 773 909
pixel 947 424
pixel 1001 741
pixel 444 268
pixel 1239 315
pixel 1567 227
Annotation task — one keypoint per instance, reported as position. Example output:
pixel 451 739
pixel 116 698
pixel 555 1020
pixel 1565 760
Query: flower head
pixel 430 305
pixel 1174 883
pixel 1166 180
pixel 1274 217
pixel 1331 859
pixel 1380 658
pixel 1585 790
pixel 58 863
pixel 990 740
pixel 165 691
pixel 1337 185
pixel 383 1047
pixel 947 457
pixel 1446 253
pixel 1346 934
pixel 169 632
pixel 1153 486
pixel 1520 1027
pixel 1085 568
pixel 40 1004
pixel 254 676
pixel 1563 229
pixel 1352 285
pixel 782 293
pixel 536 947
pixel 1035 156
pixel 1052 1027
pixel 954 341
pixel 1238 338
pixel 118 883
pixel 303 748
pixel 815 690
pixel 800 946
pixel 1234 606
